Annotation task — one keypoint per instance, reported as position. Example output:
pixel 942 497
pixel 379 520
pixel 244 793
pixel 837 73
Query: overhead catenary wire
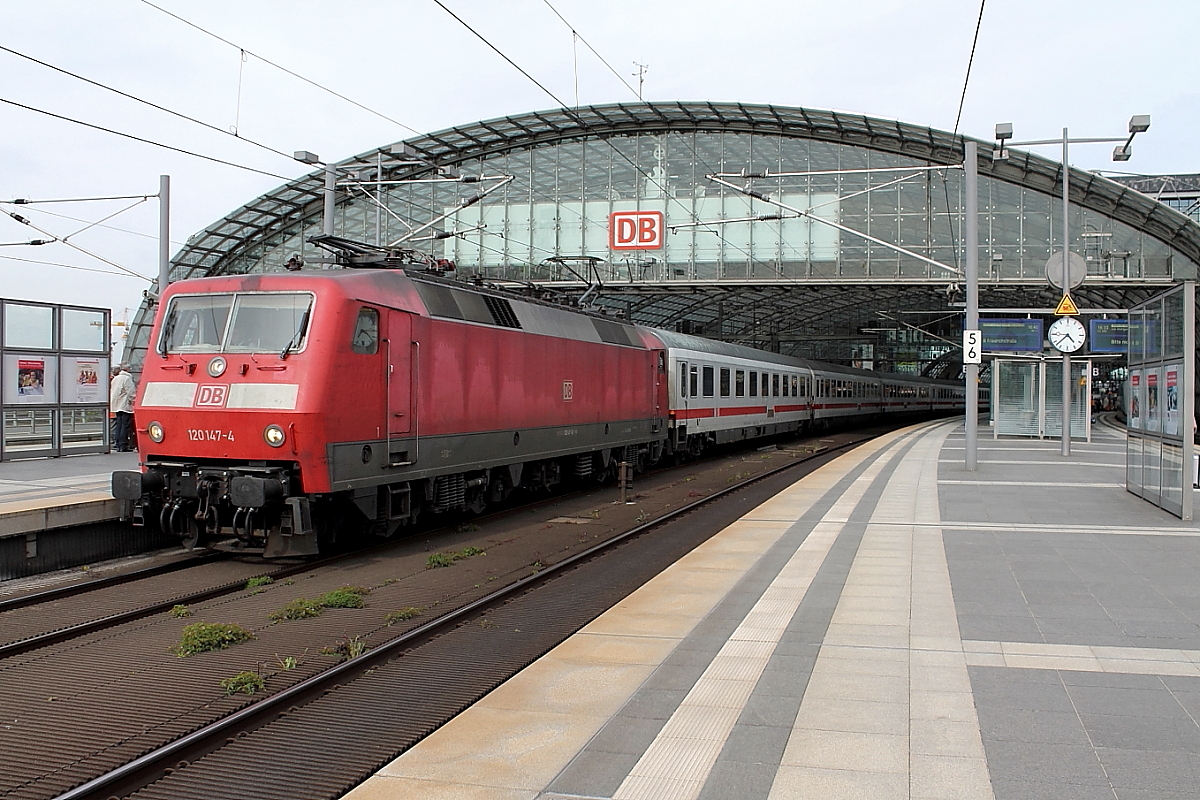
pixel 282 68
pixel 164 109
pixel 124 274
pixel 588 45
pixel 144 141
pixel 73 246
pixel 970 61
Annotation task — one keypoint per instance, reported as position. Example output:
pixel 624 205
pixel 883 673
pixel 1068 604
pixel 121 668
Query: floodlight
pixel 1004 130
pixel 305 157
pixel 1139 123
pixel 1122 152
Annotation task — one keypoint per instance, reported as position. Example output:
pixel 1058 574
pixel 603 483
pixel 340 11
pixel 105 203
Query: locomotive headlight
pixel 216 367
pixel 274 435
pixel 156 432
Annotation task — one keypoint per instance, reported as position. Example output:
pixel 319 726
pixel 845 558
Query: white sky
pixel 1040 64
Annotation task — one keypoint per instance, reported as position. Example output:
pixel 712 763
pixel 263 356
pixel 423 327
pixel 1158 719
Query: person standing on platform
pixel 120 402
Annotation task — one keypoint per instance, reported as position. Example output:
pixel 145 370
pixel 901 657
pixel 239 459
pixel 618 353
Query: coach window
pixel 775 386
pixel 766 385
pixel 753 383
pixel 739 383
pixel 724 382
pixel 683 388
pixel 693 382
pixel 795 386
pixel 786 388
pixel 366 332
pixel 708 381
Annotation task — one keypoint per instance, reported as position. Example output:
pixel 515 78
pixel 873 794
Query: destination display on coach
pixel 1012 335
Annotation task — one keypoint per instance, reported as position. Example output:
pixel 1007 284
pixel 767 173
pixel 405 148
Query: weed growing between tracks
pixel 201 637
pixel 303 608
pixel 436 560
pixel 180 610
pixel 244 683
pixel 403 614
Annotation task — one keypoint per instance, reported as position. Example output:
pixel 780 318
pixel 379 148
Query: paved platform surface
pixel 892 626
pixel 46 493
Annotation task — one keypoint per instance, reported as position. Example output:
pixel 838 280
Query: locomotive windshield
pixel 236 323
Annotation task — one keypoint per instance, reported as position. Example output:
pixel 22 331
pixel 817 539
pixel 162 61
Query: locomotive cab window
pixel 366 332
pixel 267 322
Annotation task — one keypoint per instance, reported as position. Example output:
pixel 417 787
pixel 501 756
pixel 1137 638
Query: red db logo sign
pixel 212 396
pixel 636 230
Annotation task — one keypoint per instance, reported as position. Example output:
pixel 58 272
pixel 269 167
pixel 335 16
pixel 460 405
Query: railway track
pixel 297 741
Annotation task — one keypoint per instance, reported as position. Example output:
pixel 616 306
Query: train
pixel 277 411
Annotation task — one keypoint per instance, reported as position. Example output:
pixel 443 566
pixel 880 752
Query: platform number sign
pixel 636 230
pixel 212 396
pixel 972 347
pixel 568 391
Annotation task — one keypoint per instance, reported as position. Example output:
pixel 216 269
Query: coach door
pixel 402 364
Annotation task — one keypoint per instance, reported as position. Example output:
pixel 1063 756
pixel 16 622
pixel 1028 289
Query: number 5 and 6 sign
pixel 972 347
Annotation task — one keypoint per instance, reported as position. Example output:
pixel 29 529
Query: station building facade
pixel 842 238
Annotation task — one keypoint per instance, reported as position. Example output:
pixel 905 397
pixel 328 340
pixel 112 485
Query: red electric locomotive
pixel 272 406
pixel 275 409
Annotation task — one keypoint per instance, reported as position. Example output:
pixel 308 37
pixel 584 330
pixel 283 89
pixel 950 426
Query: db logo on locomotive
pixel 636 230
pixel 212 396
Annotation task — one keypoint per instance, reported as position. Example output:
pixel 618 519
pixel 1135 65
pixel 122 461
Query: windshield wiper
pixel 300 329
pixel 168 329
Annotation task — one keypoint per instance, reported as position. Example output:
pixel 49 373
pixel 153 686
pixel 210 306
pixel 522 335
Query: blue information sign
pixel 1109 335
pixel 1013 335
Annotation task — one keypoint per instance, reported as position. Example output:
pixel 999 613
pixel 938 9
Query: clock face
pixel 1067 334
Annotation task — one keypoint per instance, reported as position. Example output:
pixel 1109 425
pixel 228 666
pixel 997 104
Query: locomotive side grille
pixel 449 491
pixel 502 311
pixel 615 333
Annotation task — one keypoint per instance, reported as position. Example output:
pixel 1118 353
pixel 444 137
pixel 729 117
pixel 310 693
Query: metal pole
pixel 164 233
pixel 1066 283
pixel 971 189
pixel 330 197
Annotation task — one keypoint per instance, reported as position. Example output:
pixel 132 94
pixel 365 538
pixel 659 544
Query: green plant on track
pixel 201 637
pixel 300 608
pixel 259 580
pixel 244 683
pixel 287 662
pixel 350 647
pixel 345 597
pixel 403 614
pixel 436 560
pixel 180 610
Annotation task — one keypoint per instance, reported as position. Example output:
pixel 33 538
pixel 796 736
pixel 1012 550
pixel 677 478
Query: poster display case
pixel 1160 400
pixel 54 373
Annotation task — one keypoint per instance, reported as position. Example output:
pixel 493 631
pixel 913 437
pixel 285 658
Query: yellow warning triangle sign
pixel 1066 307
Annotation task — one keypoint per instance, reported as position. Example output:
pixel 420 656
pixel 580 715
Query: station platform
pixel 45 493
pixel 892 626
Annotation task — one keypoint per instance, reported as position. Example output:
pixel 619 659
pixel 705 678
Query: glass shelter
pixel 54 364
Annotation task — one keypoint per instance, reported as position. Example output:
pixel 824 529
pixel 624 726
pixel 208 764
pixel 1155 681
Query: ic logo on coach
pixel 212 396
pixel 636 230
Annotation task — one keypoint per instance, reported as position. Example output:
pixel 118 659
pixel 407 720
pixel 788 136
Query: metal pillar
pixel 971 244
pixel 330 198
pixel 1066 287
pixel 164 233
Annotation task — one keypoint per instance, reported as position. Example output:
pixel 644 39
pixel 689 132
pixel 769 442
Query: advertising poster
pixel 1171 401
pixel 31 378
pixel 84 380
pixel 1152 411
pixel 1135 400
